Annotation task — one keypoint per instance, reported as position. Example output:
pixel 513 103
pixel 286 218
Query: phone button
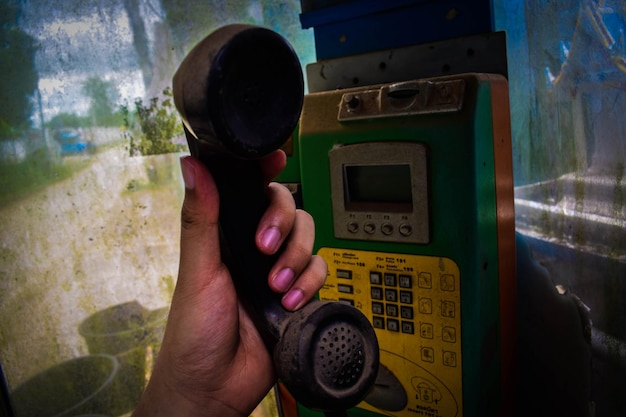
pixel 377 293
pixel 390 280
pixel 375 278
pixel 406 297
pixel 406 230
pixel 378 308
pixel 407 327
pixel 393 325
pixel 387 229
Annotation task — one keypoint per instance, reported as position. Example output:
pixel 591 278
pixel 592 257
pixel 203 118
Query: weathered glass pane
pixel 91 188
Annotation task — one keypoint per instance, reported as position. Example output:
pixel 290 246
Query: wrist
pixel 162 400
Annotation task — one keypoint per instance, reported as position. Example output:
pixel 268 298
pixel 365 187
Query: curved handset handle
pixel 240 93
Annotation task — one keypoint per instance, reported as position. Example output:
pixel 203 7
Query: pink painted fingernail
pixel 271 239
pixel 282 281
pixel 293 298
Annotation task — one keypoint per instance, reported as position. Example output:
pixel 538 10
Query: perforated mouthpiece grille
pixel 339 356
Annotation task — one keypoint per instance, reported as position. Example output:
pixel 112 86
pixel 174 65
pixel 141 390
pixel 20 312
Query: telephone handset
pixel 240 92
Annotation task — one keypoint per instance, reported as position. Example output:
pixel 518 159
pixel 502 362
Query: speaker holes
pixel 340 352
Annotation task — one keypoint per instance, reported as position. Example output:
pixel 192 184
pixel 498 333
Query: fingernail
pixel 282 281
pixel 292 299
pixel 189 173
pixel 271 239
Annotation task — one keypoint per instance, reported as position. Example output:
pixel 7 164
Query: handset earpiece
pixel 240 93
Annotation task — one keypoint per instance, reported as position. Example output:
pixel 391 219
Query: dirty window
pixel 91 189
pixel 567 71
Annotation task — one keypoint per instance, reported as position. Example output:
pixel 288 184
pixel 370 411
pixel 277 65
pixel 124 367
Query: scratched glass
pixel 91 189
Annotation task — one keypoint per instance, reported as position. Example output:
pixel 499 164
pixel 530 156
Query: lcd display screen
pixel 383 188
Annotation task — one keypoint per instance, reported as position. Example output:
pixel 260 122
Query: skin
pixel 212 361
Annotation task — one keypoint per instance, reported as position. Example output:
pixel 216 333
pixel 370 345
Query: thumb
pixel 199 244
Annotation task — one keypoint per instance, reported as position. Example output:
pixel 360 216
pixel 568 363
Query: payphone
pixel 410 185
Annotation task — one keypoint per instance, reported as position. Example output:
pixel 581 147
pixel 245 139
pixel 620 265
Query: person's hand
pixel 212 361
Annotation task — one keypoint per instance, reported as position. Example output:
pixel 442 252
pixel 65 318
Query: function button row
pixel 387 229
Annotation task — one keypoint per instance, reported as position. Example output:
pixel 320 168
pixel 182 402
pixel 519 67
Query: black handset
pixel 240 92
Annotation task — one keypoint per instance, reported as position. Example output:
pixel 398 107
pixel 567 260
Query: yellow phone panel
pixel 414 304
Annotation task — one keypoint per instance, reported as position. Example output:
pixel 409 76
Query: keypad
pixel 411 300
pixel 392 290
pixel 399 299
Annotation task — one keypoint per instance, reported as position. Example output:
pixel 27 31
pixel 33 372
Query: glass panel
pixel 91 188
pixel 567 71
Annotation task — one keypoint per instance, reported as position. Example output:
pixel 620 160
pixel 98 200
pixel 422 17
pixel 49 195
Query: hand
pixel 212 361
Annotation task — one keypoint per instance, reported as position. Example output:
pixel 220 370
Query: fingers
pixel 306 285
pixel 297 274
pixel 278 220
pixel 296 253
